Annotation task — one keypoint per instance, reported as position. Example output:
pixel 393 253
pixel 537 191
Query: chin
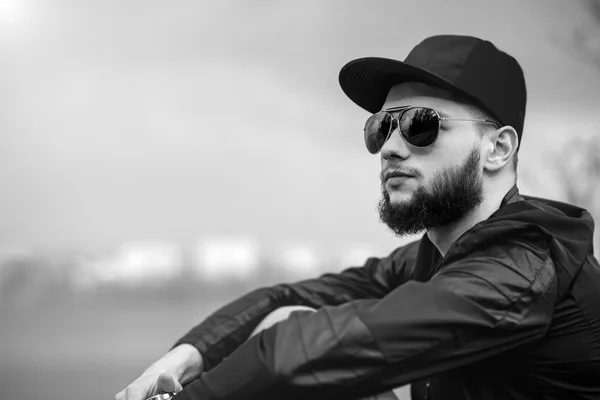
pixel 400 196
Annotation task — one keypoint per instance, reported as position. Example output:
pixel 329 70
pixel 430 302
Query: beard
pixel 454 193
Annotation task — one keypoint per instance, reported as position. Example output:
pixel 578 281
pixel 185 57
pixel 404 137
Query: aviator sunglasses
pixel 419 126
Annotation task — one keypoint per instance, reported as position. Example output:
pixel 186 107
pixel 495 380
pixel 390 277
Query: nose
pixel 395 147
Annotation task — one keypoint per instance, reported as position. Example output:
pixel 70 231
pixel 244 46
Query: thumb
pixel 167 383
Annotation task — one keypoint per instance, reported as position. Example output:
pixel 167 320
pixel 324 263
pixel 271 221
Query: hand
pixel 180 365
pixel 148 385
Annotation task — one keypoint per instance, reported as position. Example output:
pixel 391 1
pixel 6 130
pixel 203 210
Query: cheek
pixel 452 149
pixel 457 135
pixel 435 165
pixel 426 182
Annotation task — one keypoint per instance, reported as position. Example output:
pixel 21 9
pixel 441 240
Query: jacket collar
pixel 428 255
pixel 512 196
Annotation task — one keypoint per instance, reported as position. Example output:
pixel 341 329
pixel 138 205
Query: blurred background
pixel 159 158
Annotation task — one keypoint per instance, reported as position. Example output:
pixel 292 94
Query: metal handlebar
pixel 164 396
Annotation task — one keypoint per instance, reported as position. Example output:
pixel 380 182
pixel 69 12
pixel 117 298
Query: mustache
pixel 388 172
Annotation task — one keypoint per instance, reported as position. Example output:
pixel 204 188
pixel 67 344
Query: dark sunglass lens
pixel 377 129
pixel 420 126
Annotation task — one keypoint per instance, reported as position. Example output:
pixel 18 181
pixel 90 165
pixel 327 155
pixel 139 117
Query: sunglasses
pixel 419 126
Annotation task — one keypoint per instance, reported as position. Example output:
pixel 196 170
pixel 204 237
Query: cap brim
pixel 367 81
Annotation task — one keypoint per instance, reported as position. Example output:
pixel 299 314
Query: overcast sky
pixel 171 120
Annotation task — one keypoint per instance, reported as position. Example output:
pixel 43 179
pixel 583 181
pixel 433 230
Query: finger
pixel 135 393
pixel 167 383
pixel 178 387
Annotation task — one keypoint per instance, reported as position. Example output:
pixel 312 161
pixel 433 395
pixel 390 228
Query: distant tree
pixel 580 175
pixel 584 41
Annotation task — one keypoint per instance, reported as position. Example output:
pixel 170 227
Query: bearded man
pixel 499 299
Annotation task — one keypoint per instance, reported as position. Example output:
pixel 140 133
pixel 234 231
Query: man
pixel 500 299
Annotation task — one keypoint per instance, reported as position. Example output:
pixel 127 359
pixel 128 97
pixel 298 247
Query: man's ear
pixel 501 146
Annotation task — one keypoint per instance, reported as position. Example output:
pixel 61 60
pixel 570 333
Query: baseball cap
pixel 465 65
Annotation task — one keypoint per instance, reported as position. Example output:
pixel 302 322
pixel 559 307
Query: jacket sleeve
pixel 223 331
pixel 471 310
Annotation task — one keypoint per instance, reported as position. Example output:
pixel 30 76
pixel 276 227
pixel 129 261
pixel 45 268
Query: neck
pixel 444 236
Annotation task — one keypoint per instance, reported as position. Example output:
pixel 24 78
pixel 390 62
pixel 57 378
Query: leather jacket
pixel 512 311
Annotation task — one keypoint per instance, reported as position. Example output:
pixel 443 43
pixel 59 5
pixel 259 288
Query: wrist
pixel 189 362
pixel 184 362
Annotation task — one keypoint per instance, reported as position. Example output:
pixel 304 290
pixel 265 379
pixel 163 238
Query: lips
pixel 395 179
pixel 396 174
